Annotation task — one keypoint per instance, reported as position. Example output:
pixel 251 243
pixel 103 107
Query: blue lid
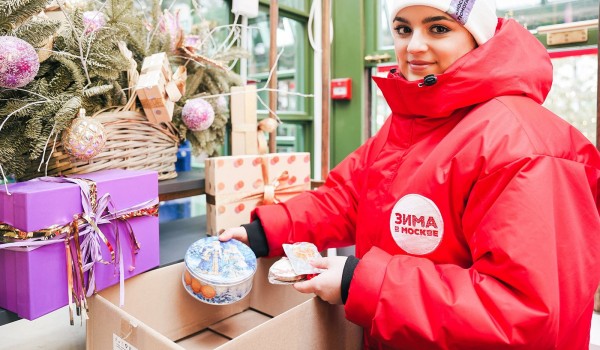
pixel 220 262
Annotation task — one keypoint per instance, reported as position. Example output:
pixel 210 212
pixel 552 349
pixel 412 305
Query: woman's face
pixel 427 41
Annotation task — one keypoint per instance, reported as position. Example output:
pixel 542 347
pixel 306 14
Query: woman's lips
pixel 419 65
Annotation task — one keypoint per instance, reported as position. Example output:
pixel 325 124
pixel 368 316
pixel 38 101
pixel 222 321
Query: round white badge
pixel 416 224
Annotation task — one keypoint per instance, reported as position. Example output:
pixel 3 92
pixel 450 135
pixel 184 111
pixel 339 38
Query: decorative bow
pixel 268 195
pixel 88 251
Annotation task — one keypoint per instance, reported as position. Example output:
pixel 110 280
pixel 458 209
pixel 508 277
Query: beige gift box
pixel 153 96
pixel 243 120
pixel 157 62
pixel 235 185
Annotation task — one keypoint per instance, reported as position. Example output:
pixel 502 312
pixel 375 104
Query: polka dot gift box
pixel 235 185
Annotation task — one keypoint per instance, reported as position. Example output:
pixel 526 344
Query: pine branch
pixel 74 69
pixel 37 31
pixel 13 13
pixel 67 113
pixel 97 90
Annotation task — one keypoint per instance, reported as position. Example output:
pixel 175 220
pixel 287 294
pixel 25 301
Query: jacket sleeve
pixel 326 216
pixel 532 228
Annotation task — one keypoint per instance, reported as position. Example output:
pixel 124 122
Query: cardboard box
pixel 33 282
pixel 159 314
pixel 235 185
pixel 157 62
pixel 243 120
pixel 157 105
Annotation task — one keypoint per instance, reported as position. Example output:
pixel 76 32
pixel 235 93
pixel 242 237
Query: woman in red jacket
pixel 474 210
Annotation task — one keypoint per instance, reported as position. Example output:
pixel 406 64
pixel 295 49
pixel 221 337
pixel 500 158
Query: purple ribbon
pixel 93 237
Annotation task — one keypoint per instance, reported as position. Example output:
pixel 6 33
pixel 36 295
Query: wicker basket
pixel 132 143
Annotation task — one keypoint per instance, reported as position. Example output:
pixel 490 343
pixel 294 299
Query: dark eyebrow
pixel 437 18
pixel 426 20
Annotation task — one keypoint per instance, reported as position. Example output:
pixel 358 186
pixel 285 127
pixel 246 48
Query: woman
pixel 474 210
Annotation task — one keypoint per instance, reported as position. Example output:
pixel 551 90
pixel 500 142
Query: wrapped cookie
pixel 281 272
pixel 300 255
pixel 296 266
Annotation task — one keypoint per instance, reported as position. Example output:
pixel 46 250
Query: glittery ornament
pixel 222 104
pixel 93 21
pixel 85 138
pixel 197 114
pixel 19 62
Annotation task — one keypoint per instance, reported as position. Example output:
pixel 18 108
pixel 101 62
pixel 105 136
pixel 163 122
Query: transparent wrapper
pixel 300 255
pixel 296 266
pixel 281 272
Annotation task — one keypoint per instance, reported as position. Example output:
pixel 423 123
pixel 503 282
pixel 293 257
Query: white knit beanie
pixel 478 16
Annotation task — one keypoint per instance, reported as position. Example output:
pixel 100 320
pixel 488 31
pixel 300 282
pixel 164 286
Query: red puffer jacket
pixel 474 211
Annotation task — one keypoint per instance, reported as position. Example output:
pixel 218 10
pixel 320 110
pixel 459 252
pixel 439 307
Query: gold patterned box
pixel 235 185
pixel 243 120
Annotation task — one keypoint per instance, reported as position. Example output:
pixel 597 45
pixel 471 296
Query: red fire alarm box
pixel 341 89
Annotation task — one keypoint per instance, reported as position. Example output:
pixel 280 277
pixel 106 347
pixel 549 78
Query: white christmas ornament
pixel 222 104
pixel 19 62
pixel 93 21
pixel 84 138
pixel 197 114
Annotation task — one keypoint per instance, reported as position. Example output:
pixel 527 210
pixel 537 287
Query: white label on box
pixel 120 344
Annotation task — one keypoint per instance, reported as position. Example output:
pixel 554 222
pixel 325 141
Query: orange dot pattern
pixel 241 176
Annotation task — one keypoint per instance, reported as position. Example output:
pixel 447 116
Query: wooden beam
pixel 274 24
pixel 326 81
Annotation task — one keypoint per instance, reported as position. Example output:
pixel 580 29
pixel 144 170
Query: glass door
pixel 294 72
pixel 574 90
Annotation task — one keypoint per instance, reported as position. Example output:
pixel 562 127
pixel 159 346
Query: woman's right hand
pixel 238 233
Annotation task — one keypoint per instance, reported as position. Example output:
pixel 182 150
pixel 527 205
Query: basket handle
pixel 132 76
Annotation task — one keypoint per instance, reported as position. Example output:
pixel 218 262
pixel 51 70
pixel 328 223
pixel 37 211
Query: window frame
pixel 305 79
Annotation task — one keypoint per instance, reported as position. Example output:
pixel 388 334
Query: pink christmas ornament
pixel 19 62
pixel 93 21
pixel 197 114
pixel 84 138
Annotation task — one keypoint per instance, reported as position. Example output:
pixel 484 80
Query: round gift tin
pixel 218 272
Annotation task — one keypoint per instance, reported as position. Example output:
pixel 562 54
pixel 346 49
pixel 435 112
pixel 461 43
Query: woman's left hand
pixel 328 284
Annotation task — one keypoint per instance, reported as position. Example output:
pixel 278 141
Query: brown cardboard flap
pixel 158 311
pixel 313 325
pixel 239 324
pixel 109 321
pixel 280 297
pixel 205 340
pixel 159 300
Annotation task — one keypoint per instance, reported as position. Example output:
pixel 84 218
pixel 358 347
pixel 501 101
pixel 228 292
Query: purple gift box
pixel 33 282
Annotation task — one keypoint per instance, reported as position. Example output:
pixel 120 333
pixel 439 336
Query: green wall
pixel 347 62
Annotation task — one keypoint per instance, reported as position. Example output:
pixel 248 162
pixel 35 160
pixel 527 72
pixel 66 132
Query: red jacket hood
pixel 513 62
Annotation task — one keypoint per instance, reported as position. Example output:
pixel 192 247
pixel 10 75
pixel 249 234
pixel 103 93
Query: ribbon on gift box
pixel 268 194
pixel 88 252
